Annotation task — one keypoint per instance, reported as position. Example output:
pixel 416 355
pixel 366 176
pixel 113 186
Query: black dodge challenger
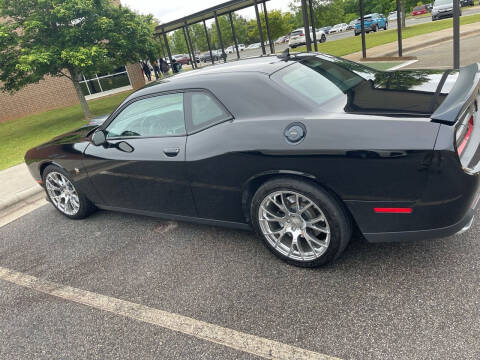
pixel 304 149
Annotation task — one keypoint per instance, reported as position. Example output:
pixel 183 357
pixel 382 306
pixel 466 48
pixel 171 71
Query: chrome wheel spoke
pixel 311 239
pixel 280 236
pixel 269 213
pixel 306 207
pixel 281 206
pixel 318 228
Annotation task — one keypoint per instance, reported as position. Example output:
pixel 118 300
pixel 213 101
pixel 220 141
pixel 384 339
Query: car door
pixel 142 165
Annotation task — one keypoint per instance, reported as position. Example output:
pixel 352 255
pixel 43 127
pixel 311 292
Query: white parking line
pixel 406 63
pixel 237 340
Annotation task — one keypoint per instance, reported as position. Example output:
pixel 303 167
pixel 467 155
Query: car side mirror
pixel 99 138
pixel 124 146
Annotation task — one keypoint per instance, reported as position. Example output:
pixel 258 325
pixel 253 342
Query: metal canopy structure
pixel 231 6
pixel 207 14
pixel 214 12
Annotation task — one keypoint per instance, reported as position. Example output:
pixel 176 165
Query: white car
pixel 241 47
pixel 297 37
pixel 230 50
pixel 253 46
pixel 338 28
pixel 392 16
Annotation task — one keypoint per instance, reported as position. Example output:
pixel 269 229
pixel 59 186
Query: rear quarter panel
pixel 363 161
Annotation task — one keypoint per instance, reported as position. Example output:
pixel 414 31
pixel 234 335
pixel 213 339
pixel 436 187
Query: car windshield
pixel 366 18
pixel 417 8
pixel 443 2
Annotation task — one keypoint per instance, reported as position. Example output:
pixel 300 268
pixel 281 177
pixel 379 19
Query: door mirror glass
pixel 124 146
pixel 98 138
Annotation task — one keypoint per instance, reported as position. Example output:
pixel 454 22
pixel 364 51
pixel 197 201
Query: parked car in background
pixel 281 40
pixel 464 3
pixel 392 16
pixel 338 28
pixel 297 37
pixel 241 47
pixel 253 46
pixel 344 148
pixel 419 10
pixel 443 9
pixel 205 57
pixel 351 25
pixel 372 22
pixel 182 59
pixel 230 49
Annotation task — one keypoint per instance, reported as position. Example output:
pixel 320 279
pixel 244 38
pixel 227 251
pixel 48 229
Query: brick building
pixel 55 92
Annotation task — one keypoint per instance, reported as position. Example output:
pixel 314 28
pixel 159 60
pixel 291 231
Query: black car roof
pixel 259 65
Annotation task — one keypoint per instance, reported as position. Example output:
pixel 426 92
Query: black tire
pixel 323 38
pixel 356 34
pixel 375 29
pixel 333 210
pixel 86 206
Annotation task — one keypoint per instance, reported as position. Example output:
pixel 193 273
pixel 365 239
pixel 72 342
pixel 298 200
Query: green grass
pixel 353 44
pixel 21 134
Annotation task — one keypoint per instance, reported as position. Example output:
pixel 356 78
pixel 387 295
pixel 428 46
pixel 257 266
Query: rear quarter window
pixel 205 110
pixel 308 83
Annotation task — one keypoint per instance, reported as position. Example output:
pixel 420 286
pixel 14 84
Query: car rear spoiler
pixel 463 93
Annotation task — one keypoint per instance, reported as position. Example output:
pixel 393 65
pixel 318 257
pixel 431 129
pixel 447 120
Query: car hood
pixel 99 120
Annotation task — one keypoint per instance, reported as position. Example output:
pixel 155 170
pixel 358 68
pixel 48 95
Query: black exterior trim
pixel 421 234
pixel 230 224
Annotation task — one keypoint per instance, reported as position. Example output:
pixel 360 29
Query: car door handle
pixel 171 152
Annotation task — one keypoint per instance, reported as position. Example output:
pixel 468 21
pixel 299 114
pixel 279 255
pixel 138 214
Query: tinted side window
pixel 155 116
pixel 205 110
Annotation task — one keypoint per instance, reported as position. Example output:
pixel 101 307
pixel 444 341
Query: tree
pixel 279 23
pixel 68 38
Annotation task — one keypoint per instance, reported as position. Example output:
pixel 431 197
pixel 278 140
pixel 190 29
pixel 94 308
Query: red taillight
pixel 302 34
pixel 393 210
pixel 464 141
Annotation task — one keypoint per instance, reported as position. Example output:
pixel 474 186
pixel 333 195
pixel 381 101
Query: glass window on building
pixel 101 82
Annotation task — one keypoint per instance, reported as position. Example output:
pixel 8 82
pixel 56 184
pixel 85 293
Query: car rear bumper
pixel 459 227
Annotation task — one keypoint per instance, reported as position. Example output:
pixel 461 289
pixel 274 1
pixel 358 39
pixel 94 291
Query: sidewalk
pixel 18 192
pixel 415 42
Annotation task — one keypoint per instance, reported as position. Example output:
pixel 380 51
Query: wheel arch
pixel 45 164
pixel 253 183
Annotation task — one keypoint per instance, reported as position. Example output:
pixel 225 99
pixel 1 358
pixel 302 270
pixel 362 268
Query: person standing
pixel 164 66
pixel 156 69
pixel 146 71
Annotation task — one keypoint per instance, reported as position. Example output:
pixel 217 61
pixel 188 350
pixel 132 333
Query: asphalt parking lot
pixel 404 300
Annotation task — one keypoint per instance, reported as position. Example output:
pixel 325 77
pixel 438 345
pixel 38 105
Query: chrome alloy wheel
pixel 62 193
pixel 294 225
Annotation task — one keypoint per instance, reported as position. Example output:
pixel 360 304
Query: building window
pixel 101 82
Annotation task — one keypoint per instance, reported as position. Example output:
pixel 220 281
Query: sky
pixel 168 10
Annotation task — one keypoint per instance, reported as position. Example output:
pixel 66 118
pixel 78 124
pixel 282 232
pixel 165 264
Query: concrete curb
pixel 357 56
pixel 21 198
